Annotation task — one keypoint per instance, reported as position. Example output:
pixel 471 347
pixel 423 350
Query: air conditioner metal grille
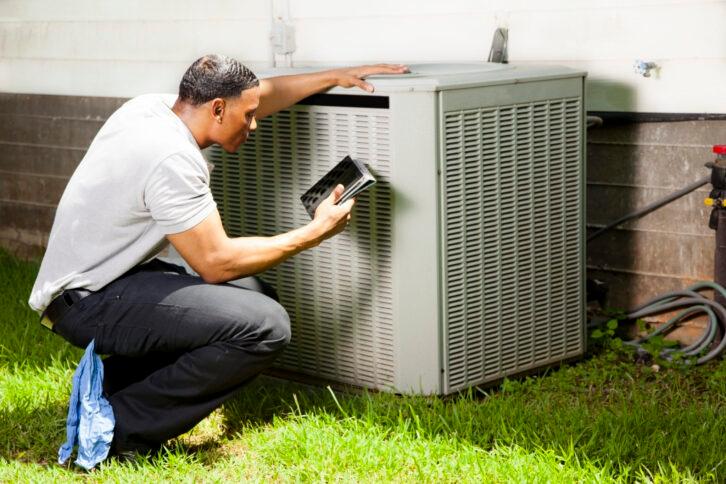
pixel 512 194
pixel 338 295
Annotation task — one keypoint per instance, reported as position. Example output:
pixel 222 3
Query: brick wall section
pixel 42 140
pixel 629 166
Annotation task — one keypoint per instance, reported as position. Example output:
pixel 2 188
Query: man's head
pixel 223 96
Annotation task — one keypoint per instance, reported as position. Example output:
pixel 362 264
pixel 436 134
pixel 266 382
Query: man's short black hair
pixel 214 76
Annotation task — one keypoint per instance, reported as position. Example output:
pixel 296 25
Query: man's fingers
pixel 337 192
pixel 348 205
pixel 397 67
pixel 365 86
pixel 355 76
pixel 390 68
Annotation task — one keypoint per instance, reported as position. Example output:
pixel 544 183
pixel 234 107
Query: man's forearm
pixel 219 258
pixel 245 256
pixel 278 93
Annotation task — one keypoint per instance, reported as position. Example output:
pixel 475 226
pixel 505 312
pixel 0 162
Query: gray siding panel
pixel 24 227
pixel 665 254
pixel 48 131
pixel 40 160
pixel 31 188
pixel 629 166
pixel 646 165
pixel 98 108
pixel 678 133
pixel 42 140
pixel 687 215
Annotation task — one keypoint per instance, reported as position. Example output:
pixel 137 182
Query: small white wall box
pixel 464 263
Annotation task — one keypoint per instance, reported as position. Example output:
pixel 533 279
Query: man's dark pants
pixel 179 347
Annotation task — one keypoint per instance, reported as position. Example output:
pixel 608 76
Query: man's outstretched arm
pixel 278 93
pixel 218 258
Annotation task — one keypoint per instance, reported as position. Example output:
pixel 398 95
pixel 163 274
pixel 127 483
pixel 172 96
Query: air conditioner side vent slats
pixel 512 237
pixel 338 295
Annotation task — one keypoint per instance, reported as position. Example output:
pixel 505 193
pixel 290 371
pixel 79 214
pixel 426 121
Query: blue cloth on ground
pixel 90 419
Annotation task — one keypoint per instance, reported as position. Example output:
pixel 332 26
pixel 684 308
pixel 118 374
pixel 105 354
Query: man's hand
pixel 331 219
pixel 354 76
pixel 278 93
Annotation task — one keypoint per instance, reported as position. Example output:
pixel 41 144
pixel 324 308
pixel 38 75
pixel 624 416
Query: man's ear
pixel 218 105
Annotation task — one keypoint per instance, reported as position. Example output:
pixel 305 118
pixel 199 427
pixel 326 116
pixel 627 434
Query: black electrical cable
pixel 653 206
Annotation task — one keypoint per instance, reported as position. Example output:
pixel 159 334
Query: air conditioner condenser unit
pixel 464 263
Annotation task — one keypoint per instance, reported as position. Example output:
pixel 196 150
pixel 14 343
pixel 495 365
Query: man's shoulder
pixel 142 109
pixel 129 152
pixel 146 123
pixel 150 100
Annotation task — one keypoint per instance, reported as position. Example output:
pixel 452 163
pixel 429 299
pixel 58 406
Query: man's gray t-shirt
pixel 142 178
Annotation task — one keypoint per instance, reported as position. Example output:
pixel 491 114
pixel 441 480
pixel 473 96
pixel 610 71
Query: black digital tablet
pixel 350 173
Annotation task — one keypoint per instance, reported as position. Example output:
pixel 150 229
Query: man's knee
pixel 254 283
pixel 269 334
pixel 279 332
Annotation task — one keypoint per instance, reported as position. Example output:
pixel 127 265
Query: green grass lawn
pixel 604 419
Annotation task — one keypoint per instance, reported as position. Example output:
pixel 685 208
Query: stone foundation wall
pixel 42 140
pixel 629 166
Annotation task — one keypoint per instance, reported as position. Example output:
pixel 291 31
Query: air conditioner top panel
pixel 443 76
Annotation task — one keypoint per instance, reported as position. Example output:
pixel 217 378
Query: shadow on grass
pixel 35 347
pixel 615 414
pixel 32 433
pixel 25 342
pixel 603 412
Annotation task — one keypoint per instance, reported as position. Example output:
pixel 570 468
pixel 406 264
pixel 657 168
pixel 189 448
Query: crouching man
pixel 179 344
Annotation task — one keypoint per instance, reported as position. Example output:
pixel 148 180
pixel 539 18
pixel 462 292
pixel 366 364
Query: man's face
pixel 237 119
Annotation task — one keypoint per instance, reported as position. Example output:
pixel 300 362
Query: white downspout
pixel 282 32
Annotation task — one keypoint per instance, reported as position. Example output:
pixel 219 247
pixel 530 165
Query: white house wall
pixel 123 48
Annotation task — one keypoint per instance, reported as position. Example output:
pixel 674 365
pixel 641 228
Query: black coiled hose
pixel 692 303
